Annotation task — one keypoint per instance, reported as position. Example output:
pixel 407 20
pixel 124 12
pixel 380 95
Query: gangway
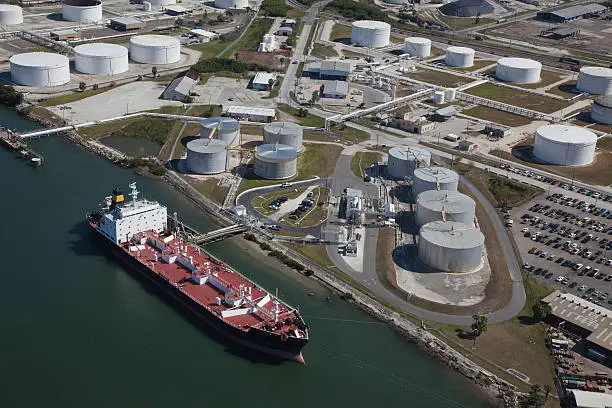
pixel 221 233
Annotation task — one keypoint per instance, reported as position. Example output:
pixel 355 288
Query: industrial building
pixel 82 11
pixel 101 59
pixel 564 145
pixel 10 14
pixel 370 33
pixel 602 110
pixel 263 81
pixel 335 89
pixel 589 399
pixel 403 160
pixel 354 207
pixel 155 49
pixel 328 70
pixel 40 69
pixel 221 128
pixel 250 114
pixel 286 133
pixel 127 23
pixel 595 80
pixel 467 8
pixel 418 125
pixel 175 10
pixel 275 161
pixel 285 31
pixel 180 88
pixel 566 14
pixel 203 35
pixel 518 70
pixel 269 43
pixel 417 47
pixel 434 205
pixel 434 178
pixel 206 156
pixel 65 35
pixel 450 246
pixel 460 57
pixel 232 4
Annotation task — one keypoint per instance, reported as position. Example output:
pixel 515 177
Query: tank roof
pixel 101 50
pixel 224 124
pixel 276 152
pixel 155 41
pixel 605 101
pixel 467 8
pixel 409 153
pixel 283 127
pixel 39 59
pixel 597 71
pixel 207 146
pixel 567 134
pixel 460 50
pixel 9 7
pixel 451 234
pixel 450 201
pixel 519 62
pixel 417 40
pixel 82 3
pixel 373 24
pixel 433 174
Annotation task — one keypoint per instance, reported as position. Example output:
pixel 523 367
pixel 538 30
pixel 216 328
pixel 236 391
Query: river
pixel 79 330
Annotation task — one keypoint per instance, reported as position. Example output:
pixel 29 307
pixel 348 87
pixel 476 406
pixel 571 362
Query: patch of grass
pixel 205 111
pixel 510 96
pixel 363 160
pixel 605 143
pixel 309 120
pixel 315 253
pixel 478 64
pixel 156 130
pixel 72 97
pixel 251 39
pixel 440 78
pixel 96 132
pixel 323 51
pixel 501 191
pixel 566 89
pixel 546 78
pixel 340 32
pixel 209 188
pixel 274 8
pixel 497 116
pixel 173 133
pixel 210 49
pixel 357 11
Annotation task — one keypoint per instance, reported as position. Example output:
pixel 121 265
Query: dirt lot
pixel 270 60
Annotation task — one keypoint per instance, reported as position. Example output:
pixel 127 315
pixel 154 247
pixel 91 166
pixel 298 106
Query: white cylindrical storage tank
pixel 222 128
pixel 461 57
pixel 428 178
pixel 155 49
pixel 10 14
pixel 564 145
pixel 147 6
pixel 520 70
pixel 162 2
pixel 82 11
pixel 403 160
pixel 287 133
pixel 450 246
pixel 231 4
pixel 450 94
pixel 438 97
pixel 275 161
pixel 456 206
pixel 40 69
pixel 101 59
pixel 595 80
pixel 371 34
pixel 602 110
pixel 206 156
pixel 417 47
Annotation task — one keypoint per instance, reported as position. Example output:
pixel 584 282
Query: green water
pixel 77 330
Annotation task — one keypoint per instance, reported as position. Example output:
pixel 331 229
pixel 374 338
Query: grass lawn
pixel 210 49
pixel 546 78
pixel 209 188
pixel 72 97
pixel 440 78
pixel 566 89
pixel 497 116
pixel 261 203
pixel 251 39
pixel 324 51
pixel 317 213
pixel 316 253
pixel 96 132
pixel 478 64
pixel 205 111
pixel 340 32
pixel 515 97
pixel 605 143
pixel 363 160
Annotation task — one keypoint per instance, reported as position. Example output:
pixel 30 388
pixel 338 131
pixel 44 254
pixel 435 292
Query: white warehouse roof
pixel 339 87
pixel 203 33
pixel 586 399
pixel 249 110
pixel 263 78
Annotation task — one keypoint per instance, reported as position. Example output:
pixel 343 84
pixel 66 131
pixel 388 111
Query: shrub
pixel 9 96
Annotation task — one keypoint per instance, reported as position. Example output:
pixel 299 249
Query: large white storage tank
pixel 595 80
pixel 40 69
pixel 460 57
pixel 429 178
pixel 231 4
pixel 275 161
pixel 403 160
pixel 226 129
pixel 206 156
pixel 520 70
pixel 370 33
pixel 162 2
pixel 602 110
pixel 10 14
pixel 101 59
pixel 455 205
pixel 82 11
pixel 287 133
pixel 450 246
pixel 155 49
pixel 417 47
pixel 564 145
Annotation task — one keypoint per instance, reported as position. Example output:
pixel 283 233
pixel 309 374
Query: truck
pixel 509 223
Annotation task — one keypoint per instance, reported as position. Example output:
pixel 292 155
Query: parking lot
pixel 566 243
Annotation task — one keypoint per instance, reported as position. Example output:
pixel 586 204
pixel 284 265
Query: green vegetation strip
pixel 210 49
pixel 357 11
pixel 252 37
pixel 497 116
pixel 511 96
pixel 362 161
pixel 72 97
pixel 323 51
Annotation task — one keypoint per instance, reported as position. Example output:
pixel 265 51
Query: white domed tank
pixel 206 156
pixel 456 206
pixel 460 57
pixel 438 97
pixel 101 59
pixel 275 161
pixel 602 110
pixel 370 33
pixel 10 14
pixel 428 178
pixel 595 80
pixel 450 246
pixel 417 47
pixel 226 129
pixel 519 70
pixel 162 2
pixel 564 145
pixel 40 69
pixel 287 133
pixel 403 160
pixel 232 4
pixel 82 11
pixel 155 49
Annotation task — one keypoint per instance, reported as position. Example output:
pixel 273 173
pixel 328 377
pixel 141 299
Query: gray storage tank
pixel 450 246
pixel 287 133
pixel 226 129
pixel 403 160
pixel 275 161
pixel 428 178
pixel 206 156
pixel 456 206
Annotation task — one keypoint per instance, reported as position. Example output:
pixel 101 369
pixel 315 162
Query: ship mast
pixel 134 193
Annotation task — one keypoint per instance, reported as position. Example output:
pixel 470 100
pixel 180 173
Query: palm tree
pixel 82 86
pixel 547 390
pixel 479 326
pixel 154 71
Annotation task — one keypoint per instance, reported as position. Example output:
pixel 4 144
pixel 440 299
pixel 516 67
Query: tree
pixel 154 71
pixel 479 326
pixel 271 83
pixel 282 61
pixel 315 96
pixel 535 397
pixel 540 311
pixel 82 86
pixel 547 390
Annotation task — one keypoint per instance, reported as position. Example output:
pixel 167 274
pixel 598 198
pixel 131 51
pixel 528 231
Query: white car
pixel 524 230
pixel 560 279
pixel 582 288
